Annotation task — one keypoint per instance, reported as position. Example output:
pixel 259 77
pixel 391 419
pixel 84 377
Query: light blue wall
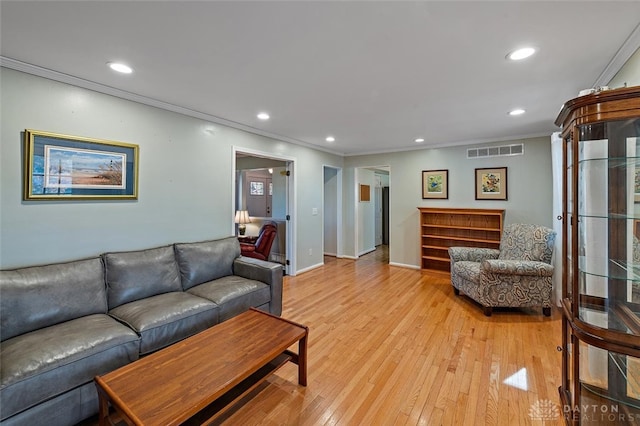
pixel 185 175
pixel 186 181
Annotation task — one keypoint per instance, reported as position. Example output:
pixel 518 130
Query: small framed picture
pixel 365 193
pixel 435 184
pixel 61 167
pixel 491 184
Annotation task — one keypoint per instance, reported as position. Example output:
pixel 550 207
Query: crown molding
pixel 130 96
pixel 628 48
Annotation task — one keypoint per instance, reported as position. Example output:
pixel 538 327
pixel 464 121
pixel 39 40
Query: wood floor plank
pixel 394 346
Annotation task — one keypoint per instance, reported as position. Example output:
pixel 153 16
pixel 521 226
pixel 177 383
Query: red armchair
pixel 262 247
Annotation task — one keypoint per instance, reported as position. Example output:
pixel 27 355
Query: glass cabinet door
pixel 608 188
pixel 607 220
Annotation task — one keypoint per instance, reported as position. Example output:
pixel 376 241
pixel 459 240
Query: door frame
pixel 290 243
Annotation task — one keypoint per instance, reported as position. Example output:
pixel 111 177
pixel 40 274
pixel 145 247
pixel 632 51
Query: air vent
pixel 496 151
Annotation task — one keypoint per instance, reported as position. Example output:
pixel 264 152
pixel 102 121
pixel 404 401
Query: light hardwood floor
pixel 395 346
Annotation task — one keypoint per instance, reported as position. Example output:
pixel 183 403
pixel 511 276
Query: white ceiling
pixel 376 75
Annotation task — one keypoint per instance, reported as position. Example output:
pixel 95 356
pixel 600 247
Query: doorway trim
pixel 291 200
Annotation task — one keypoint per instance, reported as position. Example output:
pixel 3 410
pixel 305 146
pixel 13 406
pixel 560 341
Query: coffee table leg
pixel 302 360
pixel 103 413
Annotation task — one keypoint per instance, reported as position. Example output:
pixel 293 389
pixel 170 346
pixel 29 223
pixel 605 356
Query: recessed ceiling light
pixel 525 52
pixel 420 140
pixel 120 67
pixel 330 139
pixel 263 116
pixel 517 112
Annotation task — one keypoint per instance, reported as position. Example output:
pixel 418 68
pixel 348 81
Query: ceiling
pixel 375 75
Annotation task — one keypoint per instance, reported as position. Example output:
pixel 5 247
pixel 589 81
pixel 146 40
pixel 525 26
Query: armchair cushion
pixel 517 267
pixel 468 270
pixel 527 242
pixel 473 254
pixel 247 248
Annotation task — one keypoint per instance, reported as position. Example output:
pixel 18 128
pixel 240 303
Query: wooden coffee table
pixel 196 380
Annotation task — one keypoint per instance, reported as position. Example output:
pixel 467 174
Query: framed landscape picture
pixel 435 184
pixel 491 184
pixel 61 167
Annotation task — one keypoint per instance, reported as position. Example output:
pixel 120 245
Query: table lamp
pixel 242 217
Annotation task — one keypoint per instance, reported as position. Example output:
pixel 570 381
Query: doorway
pixel 332 211
pixel 264 187
pixel 372 214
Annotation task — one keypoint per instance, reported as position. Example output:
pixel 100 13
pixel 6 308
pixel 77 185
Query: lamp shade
pixel 242 217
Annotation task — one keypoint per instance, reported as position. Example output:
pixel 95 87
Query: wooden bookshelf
pixel 441 228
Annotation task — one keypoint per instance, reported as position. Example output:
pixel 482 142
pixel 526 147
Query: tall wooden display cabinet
pixel 601 262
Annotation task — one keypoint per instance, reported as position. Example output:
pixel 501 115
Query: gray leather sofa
pixel 63 324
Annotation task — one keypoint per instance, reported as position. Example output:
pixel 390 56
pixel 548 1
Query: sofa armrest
pixel 517 267
pixel 472 254
pixel 269 273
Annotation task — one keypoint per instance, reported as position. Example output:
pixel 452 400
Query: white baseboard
pixel 362 253
pixel 309 268
pixel 404 265
pixel 344 256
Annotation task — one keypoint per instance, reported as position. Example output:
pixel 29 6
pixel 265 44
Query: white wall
pixel 185 177
pixel 529 189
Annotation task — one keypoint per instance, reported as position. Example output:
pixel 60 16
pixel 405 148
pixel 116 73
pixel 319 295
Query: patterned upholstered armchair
pixel 517 275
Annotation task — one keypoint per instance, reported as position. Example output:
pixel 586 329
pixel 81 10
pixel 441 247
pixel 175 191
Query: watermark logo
pixel 544 409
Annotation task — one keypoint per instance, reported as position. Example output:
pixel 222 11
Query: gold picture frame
pixel 63 167
pixel 491 183
pixel 365 193
pixel 435 184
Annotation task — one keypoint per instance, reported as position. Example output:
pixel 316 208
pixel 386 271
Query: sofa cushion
pixel 166 318
pixel 206 261
pixel 41 296
pixel 70 408
pixel 135 275
pixel 233 294
pixel 42 364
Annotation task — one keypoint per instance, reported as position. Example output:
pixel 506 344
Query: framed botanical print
pixel 491 184
pixel 435 184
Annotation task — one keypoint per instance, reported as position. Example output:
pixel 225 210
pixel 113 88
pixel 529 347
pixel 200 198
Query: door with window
pixel 259 190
